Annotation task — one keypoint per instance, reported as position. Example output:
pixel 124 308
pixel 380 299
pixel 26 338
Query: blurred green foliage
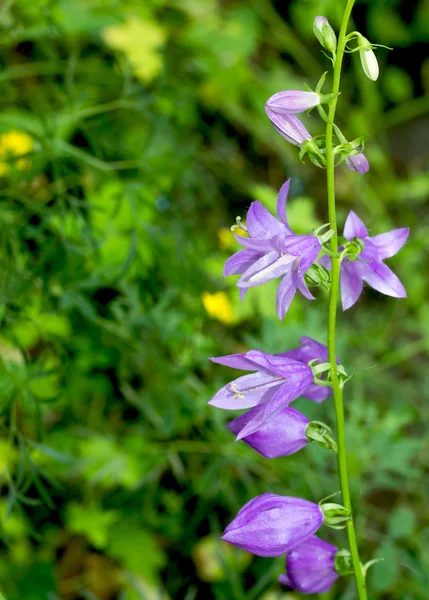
pixel 131 134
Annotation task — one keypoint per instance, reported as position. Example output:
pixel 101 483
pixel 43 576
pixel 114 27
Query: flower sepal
pixel 315 154
pixel 320 433
pixel 335 515
pixel 343 562
pixel 325 34
pixel 318 276
pixel 352 248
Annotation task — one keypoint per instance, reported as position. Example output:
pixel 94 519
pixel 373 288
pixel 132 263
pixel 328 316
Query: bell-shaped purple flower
pixel 271 525
pixel 281 436
pixel 369 265
pixel 273 251
pixel 358 163
pixel 292 102
pixel 289 127
pixel 310 568
pixel 277 382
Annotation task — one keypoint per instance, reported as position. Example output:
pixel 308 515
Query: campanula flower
pixel 271 525
pixel 273 251
pixel 368 59
pixel 310 567
pixel 276 382
pixel 369 265
pixel 292 102
pixel 281 436
pixel 289 127
pixel 358 163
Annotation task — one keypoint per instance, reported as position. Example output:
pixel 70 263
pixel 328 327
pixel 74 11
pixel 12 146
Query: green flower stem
pixel 333 301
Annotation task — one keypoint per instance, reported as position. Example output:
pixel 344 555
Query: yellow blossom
pixel 218 306
pixel 226 237
pixel 12 145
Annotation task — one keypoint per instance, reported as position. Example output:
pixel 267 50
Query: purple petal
pixel 282 436
pixel 285 293
pixel 289 127
pixel 297 383
pixel 277 364
pixel 354 227
pixel 271 266
pixel 284 580
pixel 236 361
pixel 358 163
pixel 292 102
pixel 351 284
pixel 246 391
pixel 240 262
pixel 243 292
pixel 254 244
pixel 317 393
pixel 302 286
pixel 261 223
pixel 326 262
pixel 381 278
pixel 389 243
pixel 281 204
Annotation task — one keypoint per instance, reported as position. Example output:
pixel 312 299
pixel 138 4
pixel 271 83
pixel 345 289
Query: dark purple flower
pixel 292 102
pixel 358 162
pixel 310 567
pixel 271 525
pixel 289 127
pixel 281 436
pixel 277 382
pixel 369 265
pixel 273 251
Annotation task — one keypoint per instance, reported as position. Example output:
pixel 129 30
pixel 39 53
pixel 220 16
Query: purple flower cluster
pixel 272 525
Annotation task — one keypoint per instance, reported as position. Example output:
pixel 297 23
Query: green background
pixel 144 134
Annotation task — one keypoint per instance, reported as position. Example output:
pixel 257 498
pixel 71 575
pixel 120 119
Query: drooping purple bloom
pixel 310 567
pixel 358 163
pixel 292 102
pixel 281 436
pixel 271 525
pixel 369 265
pixel 277 382
pixel 273 251
pixel 289 127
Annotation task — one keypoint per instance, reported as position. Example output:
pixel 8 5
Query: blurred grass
pixel 139 134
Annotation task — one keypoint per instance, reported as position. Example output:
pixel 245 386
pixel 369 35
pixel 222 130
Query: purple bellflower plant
pixel 273 251
pixel 271 525
pixel 310 567
pixel 369 265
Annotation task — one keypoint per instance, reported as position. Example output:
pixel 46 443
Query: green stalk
pixel 333 301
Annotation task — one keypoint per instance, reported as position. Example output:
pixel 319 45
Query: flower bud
pixel 310 568
pixel 358 163
pixel 292 102
pixel 289 127
pixel 271 525
pixel 283 435
pixel 368 59
pixel 325 34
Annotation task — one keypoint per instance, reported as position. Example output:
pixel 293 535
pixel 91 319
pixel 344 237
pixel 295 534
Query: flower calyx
pixel 326 35
pixel 335 515
pixel 315 154
pixel 351 249
pixel 343 562
pixel 320 433
pixel 322 372
pixel 318 276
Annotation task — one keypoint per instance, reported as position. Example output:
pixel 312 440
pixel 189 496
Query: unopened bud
pixel 325 34
pixel 368 59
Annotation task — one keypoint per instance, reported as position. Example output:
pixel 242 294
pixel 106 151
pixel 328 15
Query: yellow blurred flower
pixel 140 40
pixel 226 237
pixel 218 306
pixel 12 145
